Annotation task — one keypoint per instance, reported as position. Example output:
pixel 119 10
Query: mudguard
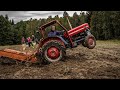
pixel 59 38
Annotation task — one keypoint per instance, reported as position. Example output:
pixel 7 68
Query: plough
pixel 18 55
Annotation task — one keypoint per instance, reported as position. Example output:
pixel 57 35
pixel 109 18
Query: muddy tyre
pixel 90 41
pixel 52 51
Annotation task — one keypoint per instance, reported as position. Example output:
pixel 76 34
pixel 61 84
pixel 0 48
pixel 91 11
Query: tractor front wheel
pixel 52 51
pixel 90 41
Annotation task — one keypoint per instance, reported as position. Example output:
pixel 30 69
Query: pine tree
pixel 65 14
pixel 83 18
pixel 105 24
pixel 88 16
pixel 66 20
pixel 5 31
pixel 12 22
pixel 6 17
pixel 76 20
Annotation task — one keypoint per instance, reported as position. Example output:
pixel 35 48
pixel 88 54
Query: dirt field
pixel 102 62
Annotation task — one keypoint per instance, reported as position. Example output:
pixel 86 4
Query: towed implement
pixel 17 55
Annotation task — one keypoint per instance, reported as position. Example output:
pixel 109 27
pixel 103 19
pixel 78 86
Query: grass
pixel 109 41
pixel 98 42
pixel 9 46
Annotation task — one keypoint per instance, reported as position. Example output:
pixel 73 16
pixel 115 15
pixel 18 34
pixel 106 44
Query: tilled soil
pixel 102 62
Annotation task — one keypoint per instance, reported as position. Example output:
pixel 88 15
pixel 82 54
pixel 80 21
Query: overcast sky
pixel 26 15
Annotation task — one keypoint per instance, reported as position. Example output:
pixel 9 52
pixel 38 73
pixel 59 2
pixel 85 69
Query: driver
pixel 54 32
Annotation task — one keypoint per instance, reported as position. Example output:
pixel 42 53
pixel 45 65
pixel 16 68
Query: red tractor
pixel 53 48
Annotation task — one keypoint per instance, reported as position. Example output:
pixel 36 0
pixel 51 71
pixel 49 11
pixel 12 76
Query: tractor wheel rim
pixel 91 41
pixel 53 52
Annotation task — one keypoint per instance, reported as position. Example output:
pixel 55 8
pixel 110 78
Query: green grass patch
pixel 115 41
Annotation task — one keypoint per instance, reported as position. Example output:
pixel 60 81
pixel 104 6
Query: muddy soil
pixel 102 62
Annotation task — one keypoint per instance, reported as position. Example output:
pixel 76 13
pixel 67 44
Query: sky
pixel 26 15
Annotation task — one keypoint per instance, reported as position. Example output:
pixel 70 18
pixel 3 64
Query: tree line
pixel 104 25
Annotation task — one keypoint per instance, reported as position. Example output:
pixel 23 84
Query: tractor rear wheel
pixel 52 51
pixel 90 41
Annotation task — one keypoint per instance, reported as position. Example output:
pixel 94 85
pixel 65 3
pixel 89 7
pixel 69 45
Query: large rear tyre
pixel 52 51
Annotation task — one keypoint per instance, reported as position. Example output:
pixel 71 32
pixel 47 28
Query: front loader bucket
pixel 17 55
